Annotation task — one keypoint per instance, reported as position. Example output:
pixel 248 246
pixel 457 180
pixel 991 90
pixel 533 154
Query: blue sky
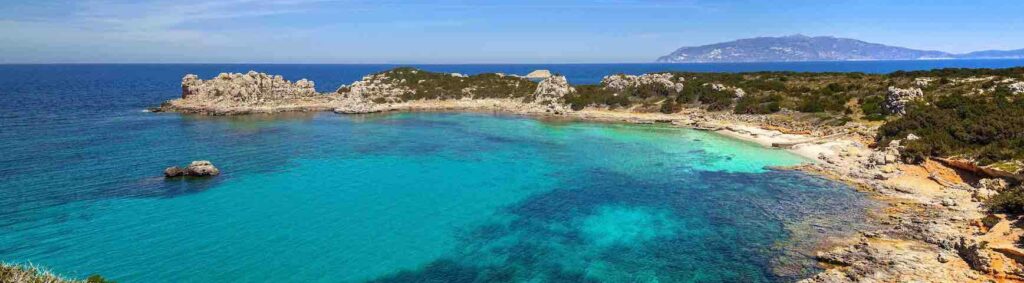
pixel 383 31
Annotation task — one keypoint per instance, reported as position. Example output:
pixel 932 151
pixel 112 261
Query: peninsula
pixel 941 149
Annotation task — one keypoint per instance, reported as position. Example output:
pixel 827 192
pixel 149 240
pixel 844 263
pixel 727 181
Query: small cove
pixel 434 196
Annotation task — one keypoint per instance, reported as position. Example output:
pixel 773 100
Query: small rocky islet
pixel 947 183
pixel 198 168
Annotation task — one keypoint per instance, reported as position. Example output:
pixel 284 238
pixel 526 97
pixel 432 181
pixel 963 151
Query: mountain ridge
pixel 800 47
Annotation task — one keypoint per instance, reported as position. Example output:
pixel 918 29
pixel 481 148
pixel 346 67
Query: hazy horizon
pixel 456 32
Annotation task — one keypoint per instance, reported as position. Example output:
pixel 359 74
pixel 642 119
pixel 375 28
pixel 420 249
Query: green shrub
pixel 758 104
pixel 988 129
pixel 1010 200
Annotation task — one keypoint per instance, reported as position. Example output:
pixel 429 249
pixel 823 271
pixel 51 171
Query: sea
pixel 400 197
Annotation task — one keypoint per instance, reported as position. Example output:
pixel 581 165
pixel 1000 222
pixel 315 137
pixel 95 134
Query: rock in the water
pixel 199 168
pixel 249 88
pixel 897 99
pixel 173 171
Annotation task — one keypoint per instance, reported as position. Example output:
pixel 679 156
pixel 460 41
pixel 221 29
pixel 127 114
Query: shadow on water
pixel 708 228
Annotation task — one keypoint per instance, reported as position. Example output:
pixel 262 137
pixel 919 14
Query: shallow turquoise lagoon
pixel 430 197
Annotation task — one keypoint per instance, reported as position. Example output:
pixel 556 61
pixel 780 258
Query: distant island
pixel 798 47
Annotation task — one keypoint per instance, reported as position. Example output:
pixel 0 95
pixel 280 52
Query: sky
pixel 509 31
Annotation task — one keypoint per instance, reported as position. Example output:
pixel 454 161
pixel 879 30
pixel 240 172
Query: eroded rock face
pixel 198 168
pixel 251 88
pixel 618 83
pixel 897 99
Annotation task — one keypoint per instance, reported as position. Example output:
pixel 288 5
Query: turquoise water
pixel 431 197
pixel 413 197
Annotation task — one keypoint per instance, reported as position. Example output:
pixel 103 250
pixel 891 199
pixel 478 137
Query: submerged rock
pixel 199 168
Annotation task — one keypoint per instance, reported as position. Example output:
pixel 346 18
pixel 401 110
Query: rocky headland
pixel 937 221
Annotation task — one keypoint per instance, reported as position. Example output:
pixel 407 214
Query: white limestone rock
pixel 251 88
pixel 897 99
pixel 618 83
pixel 551 93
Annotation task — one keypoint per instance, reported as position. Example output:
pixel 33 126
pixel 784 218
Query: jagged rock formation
pixel 248 88
pixel 199 168
pixel 896 99
pixel 618 83
pixel 252 92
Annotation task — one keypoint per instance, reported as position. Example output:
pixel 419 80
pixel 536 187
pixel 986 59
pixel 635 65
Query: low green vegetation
pixel 985 128
pixel 431 85
pixel 1010 201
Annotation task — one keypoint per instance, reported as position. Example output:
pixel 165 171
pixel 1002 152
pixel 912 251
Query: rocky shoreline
pixel 930 226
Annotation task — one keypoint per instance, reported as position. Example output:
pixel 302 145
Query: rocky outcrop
pixel 199 168
pixel 376 88
pixel 889 155
pixel 974 254
pixel 618 83
pixel 252 92
pixel 923 81
pixel 551 93
pixel 1016 88
pixel 720 87
pixel 248 88
pixel 897 99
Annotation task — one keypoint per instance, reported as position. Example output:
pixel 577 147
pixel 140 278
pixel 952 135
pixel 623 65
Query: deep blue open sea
pixel 406 197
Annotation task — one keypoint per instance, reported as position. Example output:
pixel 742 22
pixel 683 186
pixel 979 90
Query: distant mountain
pixel 818 48
pixel 994 54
